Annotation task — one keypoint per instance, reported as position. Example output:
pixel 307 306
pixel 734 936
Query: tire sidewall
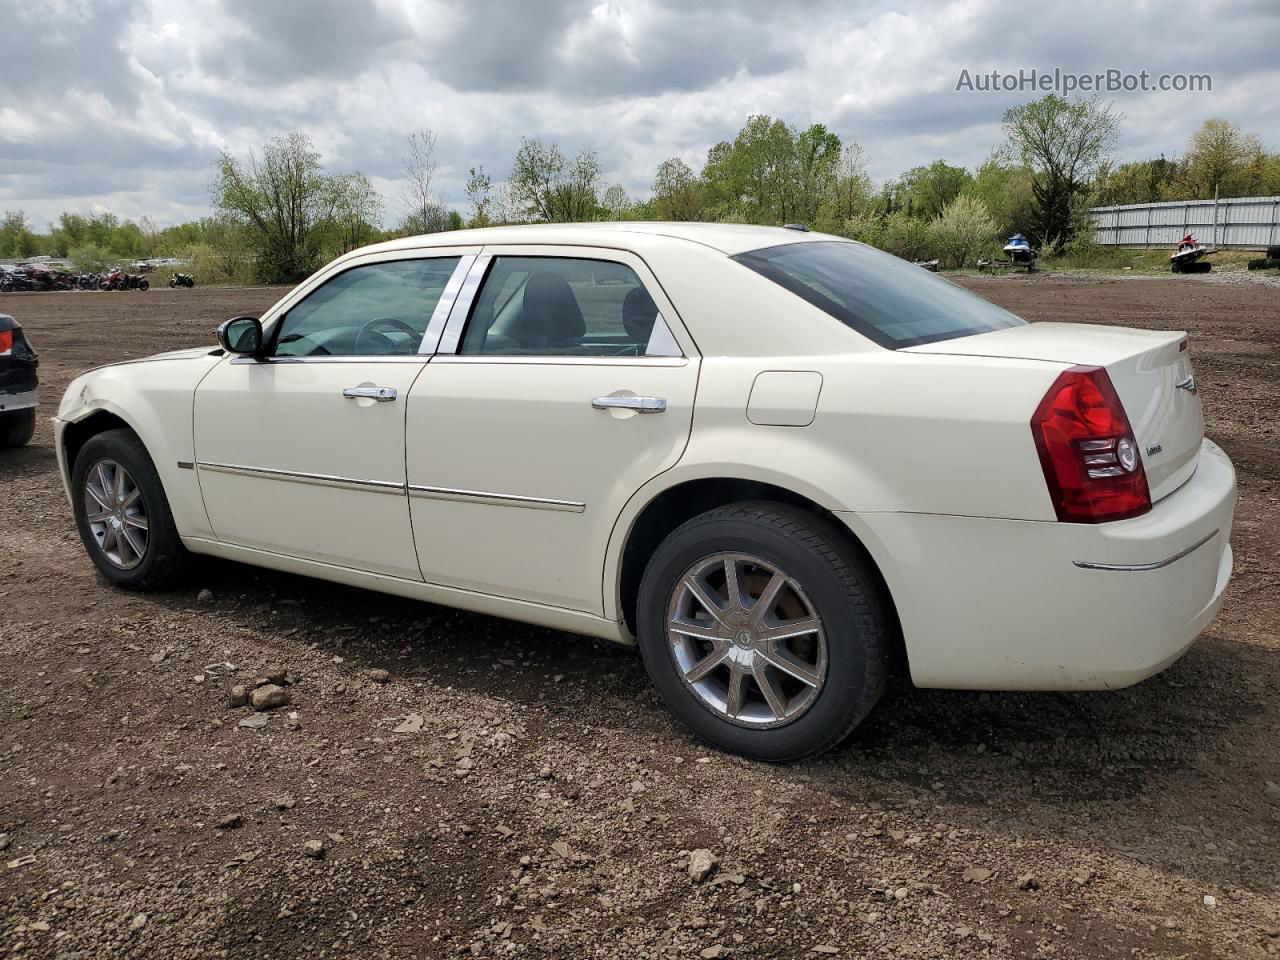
pixel 849 690
pixel 162 540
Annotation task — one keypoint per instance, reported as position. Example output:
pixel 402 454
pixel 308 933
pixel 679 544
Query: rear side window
pixel 565 306
pixel 888 300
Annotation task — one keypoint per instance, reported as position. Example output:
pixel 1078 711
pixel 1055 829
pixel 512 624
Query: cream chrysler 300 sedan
pixel 776 461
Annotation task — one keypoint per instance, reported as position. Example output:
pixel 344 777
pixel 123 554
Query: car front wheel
pixel 763 631
pixel 123 515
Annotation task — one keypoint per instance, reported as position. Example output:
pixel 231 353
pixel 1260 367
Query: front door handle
pixel 381 394
pixel 643 404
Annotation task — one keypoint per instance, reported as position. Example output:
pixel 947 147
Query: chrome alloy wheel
pixel 116 514
pixel 747 640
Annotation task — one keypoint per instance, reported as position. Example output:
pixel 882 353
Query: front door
pixel 302 453
pixel 567 392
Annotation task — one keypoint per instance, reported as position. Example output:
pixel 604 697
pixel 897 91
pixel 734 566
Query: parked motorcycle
pixel 182 280
pixel 119 280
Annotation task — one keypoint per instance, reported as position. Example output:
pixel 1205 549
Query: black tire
pixel 845 595
pixel 166 560
pixel 144 285
pixel 172 283
pixel 1272 264
pixel 1259 263
pixel 17 429
pixel 1273 252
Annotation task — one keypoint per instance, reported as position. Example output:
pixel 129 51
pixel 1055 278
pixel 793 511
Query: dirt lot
pixel 547 805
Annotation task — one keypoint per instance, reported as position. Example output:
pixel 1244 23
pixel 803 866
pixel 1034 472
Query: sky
pixel 124 105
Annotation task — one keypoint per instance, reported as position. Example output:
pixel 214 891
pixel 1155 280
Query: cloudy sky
pixel 124 104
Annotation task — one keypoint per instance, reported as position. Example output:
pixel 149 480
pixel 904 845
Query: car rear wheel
pixel 17 429
pixel 123 515
pixel 763 632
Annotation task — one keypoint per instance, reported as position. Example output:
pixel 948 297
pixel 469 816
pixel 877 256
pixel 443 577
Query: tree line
pixel 278 214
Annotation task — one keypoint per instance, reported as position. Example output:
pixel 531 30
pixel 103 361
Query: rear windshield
pixel 890 301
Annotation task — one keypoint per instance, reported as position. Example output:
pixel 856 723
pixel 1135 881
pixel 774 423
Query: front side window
pixel 563 306
pixel 888 300
pixel 379 309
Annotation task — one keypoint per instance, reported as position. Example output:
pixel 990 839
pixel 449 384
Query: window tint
pixel 558 306
pixel 888 300
pixel 380 309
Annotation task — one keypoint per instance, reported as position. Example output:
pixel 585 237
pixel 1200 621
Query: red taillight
pixel 6 342
pixel 1089 454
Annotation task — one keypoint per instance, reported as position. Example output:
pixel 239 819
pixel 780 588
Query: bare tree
pixel 420 170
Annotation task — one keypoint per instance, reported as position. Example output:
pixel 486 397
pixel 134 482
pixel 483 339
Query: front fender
pixel 155 399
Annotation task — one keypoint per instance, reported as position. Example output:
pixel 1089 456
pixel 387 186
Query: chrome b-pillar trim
pixel 317 479
pixel 440 315
pixel 461 308
pixel 1140 567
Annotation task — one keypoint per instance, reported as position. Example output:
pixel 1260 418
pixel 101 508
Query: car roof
pixel 728 238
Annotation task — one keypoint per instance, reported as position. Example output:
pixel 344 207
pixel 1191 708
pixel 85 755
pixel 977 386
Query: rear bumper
pixel 18 400
pixel 1028 605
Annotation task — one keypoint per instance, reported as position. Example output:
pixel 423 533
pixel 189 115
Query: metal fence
pixel 1242 222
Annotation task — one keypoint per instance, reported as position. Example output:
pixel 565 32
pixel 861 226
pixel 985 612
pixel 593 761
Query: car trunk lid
pixel 1150 369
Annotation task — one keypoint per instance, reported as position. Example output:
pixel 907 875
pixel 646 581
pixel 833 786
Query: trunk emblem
pixel 1188 384
pixel 1154 449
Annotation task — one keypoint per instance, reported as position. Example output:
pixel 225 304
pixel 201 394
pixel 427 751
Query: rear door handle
pixel 643 404
pixel 381 394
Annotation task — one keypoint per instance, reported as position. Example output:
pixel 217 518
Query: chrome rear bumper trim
pixel 1139 567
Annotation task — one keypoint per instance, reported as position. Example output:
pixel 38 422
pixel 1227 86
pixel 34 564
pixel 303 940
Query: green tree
pixel 925 191
pixel 16 236
pixel 1220 155
pixel 1006 190
pixel 678 194
pixel 357 211
pixel 479 191
pixel 1063 141
pixel 963 231
pixel 284 199
pixel 549 188
pixel 849 195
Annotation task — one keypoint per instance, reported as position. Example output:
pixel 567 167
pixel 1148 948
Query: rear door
pixel 564 382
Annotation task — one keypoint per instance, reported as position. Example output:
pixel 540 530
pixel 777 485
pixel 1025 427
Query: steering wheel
pixel 375 325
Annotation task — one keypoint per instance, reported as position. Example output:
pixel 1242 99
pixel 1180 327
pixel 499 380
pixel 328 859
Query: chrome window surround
pixel 460 313
pixel 1142 567
pixel 435 325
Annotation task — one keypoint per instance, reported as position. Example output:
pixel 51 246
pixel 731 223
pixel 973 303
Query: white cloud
pixel 125 103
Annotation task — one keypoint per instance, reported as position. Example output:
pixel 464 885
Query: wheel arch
pixel 671 506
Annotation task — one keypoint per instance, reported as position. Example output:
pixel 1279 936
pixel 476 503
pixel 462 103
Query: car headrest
pixel 550 315
pixel 638 314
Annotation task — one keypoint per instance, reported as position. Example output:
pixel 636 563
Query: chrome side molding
pixel 495 499
pixel 399 489
pixel 317 479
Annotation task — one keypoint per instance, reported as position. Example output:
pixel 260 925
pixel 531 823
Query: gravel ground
pixel 447 784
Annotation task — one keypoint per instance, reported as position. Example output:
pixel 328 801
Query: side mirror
pixel 241 335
